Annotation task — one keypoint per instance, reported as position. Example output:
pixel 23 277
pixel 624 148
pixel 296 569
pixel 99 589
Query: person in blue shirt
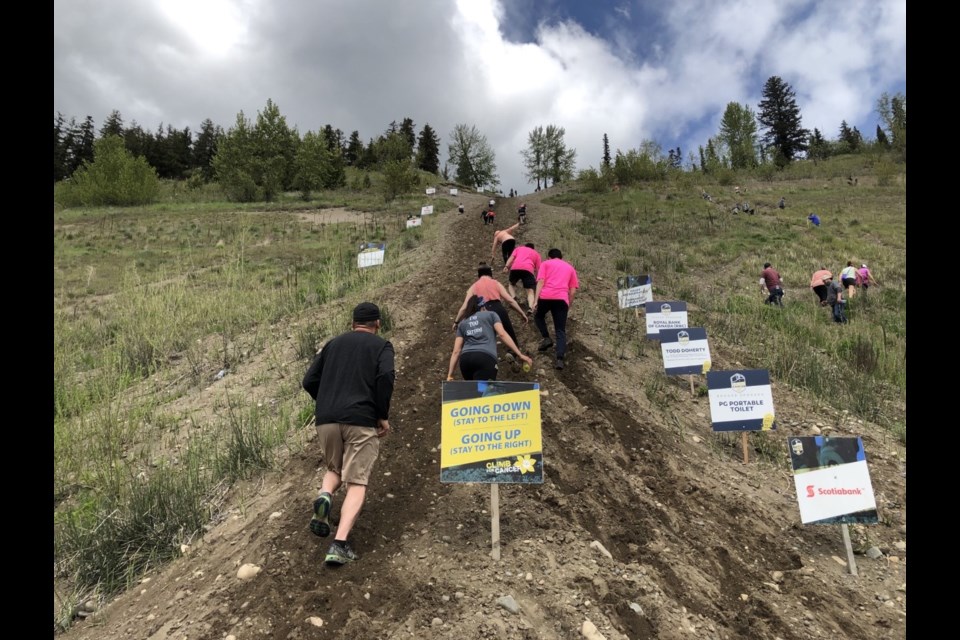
pixel 814 219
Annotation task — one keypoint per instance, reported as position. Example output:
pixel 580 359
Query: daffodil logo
pixel 767 422
pixel 706 366
pixel 526 464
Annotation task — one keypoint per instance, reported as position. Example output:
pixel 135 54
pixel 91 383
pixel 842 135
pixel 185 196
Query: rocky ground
pixel 647 525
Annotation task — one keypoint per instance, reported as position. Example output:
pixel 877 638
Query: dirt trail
pixel 702 546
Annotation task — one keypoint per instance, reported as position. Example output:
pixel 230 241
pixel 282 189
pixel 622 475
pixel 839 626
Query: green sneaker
pixel 320 522
pixel 340 553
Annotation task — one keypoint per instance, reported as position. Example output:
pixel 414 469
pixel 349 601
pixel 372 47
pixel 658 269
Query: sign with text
pixel 741 400
pixel 415 221
pixel 832 480
pixel 685 351
pixel 490 432
pixel 454 192
pixel 431 191
pixel 633 291
pixel 371 254
pixel 427 210
pixel 664 314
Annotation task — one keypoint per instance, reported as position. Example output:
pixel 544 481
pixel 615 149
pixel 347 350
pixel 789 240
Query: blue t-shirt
pixel 478 333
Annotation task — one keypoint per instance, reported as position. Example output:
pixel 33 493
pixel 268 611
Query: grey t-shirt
pixel 478 333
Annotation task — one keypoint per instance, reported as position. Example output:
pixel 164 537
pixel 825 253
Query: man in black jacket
pixel 351 380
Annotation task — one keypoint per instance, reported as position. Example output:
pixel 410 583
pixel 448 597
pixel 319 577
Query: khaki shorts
pixel 349 450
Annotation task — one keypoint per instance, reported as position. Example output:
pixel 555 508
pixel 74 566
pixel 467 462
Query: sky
pixel 634 70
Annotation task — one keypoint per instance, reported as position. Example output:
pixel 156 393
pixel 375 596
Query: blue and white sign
pixel 454 192
pixel 741 400
pixel 371 254
pixel 665 314
pixel 832 480
pixel 685 351
pixel 427 210
pixel 431 191
pixel 634 291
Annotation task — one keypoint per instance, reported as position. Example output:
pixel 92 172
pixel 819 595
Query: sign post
pixel 741 401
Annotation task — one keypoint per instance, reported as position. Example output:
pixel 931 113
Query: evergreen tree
pixel 113 177
pixel 893 112
pixel 738 131
pixel 60 147
pixel 779 113
pixel 81 145
pixel 817 147
pixel 205 148
pixel 882 141
pixel 850 139
pixel 354 151
pixel 606 152
pixel 409 134
pixel 473 158
pixel 113 125
pixel 311 160
pixel 428 150
pixel 334 173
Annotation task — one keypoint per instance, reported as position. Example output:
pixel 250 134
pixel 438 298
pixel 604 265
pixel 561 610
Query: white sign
pixel 453 192
pixel 427 210
pixel 431 191
pixel 741 400
pixel 685 351
pixel 633 291
pixel 414 222
pixel 665 314
pixel 371 254
pixel 832 480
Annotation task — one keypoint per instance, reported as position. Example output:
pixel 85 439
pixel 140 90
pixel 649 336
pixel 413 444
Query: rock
pixel 436 622
pixel 315 621
pixel 900 545
pixel 590 631
pixel 873 553
pixel 744 597
pixel 599 547
pixel 528 577
pixel 275 515
pixel 815 430
pixel 777 576
pixel 508 603
pixel 636 607
pixel 248 571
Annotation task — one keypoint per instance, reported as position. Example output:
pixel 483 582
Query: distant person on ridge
pixel 351 379
pixel 522 214
pixel 491 217
pixel 782 203
pixel 460 208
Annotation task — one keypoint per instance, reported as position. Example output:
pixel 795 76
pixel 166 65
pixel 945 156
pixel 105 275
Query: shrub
pixel 114 178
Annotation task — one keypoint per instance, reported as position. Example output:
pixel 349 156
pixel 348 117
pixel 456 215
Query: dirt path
pixel 702 546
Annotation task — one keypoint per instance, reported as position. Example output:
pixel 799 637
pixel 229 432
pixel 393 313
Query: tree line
pixel 261 158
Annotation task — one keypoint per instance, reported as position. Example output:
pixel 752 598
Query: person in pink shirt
pixel 522 265
pixel 556 282
pixel 493 294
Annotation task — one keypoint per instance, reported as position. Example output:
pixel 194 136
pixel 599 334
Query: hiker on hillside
pixel 835 299
pixel 819 288
pixel 814 219
pixel 491 216
pixel 556 282
pixel 506 241
pixel 864 277
pixel 782 204
pixel 475 347
pixel 460 208
pixel 483 214
pixel 494 294
pixel 848 278
pixel 770 279
pixel 351 379
pixel 522 214
pixel 522 266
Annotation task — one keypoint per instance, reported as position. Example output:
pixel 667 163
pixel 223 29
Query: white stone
pixel 248 571
pixel 315 621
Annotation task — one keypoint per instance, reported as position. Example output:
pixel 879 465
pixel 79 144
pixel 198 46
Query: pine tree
pixel 779 113
pixel 817 147
pixel 113 125
pixel 882 141
pixel 428 150
pixel 60 147
pixel 606 152
pixel 354 151
pixel 205 148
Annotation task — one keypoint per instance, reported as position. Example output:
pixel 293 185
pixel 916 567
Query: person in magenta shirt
pixel 522 265
pixel 556 282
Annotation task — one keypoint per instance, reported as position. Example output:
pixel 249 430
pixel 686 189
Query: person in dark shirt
pixel 351 379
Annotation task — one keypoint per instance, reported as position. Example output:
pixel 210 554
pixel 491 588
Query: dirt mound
pixel 700 545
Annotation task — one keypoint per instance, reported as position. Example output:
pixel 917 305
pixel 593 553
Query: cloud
pixel 635 72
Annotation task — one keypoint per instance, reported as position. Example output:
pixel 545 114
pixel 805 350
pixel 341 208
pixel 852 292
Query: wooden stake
pixel 636 312
pixel 746 450
pixel 851 561
pixel 691 386
pixel 495 520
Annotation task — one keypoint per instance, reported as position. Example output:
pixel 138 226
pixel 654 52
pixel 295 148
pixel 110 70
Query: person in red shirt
pixel 770 279
pixel 493 294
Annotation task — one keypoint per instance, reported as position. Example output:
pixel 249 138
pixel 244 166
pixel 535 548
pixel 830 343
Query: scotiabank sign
pixel 832 480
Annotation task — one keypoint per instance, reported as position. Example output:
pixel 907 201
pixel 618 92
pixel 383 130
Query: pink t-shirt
pixel 525 259
pixel 558 278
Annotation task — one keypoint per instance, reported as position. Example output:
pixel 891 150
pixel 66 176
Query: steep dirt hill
pixel 702 545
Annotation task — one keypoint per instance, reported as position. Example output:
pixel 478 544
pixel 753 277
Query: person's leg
pixel 352 504
pixel 498 308
pixel 539 319
pixel 331 442
pixel 559 310
pixel 531 296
